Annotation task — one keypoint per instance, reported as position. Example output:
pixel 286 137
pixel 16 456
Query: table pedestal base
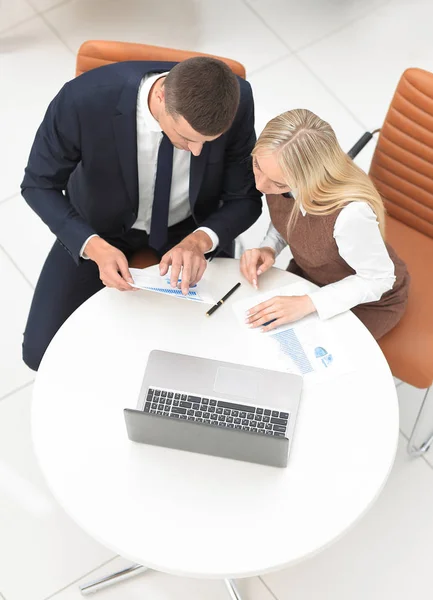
pixel 132 571
pixel 423 448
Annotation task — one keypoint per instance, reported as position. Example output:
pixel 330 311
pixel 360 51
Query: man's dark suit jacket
pixel 82 176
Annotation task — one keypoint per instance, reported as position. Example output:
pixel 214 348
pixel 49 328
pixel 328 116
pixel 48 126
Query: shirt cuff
pixel 273 240
pixel 343 295
pixel 82 253
pixel 321 304
pixel 213 236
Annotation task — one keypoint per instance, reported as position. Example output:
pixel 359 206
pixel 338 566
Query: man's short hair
pixel 205 92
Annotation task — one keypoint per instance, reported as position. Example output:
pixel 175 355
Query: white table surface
pixel 190 514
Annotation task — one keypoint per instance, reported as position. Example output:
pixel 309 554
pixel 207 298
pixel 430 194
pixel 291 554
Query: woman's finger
pixel 253 260
pixel 256 309
pixel 264 319
pixel 267 262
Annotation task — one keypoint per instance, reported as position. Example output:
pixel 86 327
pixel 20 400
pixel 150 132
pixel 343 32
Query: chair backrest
pixel 402 165
pixel 95 53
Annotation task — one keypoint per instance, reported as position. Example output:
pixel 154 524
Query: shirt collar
pixel 294 193
pixel 143 101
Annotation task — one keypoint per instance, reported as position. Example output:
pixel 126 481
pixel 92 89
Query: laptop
pixel 217 408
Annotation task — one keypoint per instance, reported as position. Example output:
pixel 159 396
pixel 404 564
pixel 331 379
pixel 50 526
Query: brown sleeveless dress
pixel 316 258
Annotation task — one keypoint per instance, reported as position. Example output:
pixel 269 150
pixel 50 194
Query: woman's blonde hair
pixel 314 164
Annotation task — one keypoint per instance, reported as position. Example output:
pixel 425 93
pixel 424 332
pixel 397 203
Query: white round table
pixel 189 514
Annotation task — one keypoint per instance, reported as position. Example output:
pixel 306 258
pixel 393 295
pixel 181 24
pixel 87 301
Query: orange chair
pixel 94 54
pixel 402 170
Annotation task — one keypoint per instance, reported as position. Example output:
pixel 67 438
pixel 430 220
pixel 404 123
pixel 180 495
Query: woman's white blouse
pixel 360 244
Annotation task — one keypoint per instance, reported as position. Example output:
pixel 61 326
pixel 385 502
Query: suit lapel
pixel 125 122
pixel 198 165
pixel 125 132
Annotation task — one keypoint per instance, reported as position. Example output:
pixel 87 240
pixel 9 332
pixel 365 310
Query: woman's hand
pixel 255 262
pixel 279 311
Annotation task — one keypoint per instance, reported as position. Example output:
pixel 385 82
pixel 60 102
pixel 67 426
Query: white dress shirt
pixel 360 244
pixel 149 136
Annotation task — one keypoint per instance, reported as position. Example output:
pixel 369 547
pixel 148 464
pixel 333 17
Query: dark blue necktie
pixel 161 196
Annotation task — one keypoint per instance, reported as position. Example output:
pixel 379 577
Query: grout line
pixel 17 267
pixel 331 93
pixel 17 194
pixel 338 29
pixel 267 587
pixel 15 391
pixel 269 64
pixel 2 597
pixel 12 27
pixel 260 18
pixel 54 30
pixel 50 8
pixel 423 456
pixel 107 562
pixel 40 15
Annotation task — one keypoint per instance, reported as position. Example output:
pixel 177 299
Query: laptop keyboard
pixel 218 413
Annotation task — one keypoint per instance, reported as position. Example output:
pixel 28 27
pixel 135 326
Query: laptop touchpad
pixel 236 383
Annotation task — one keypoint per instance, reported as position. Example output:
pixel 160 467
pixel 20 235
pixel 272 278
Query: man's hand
pixel 255 262
pixel 112 263
pixel 279 311
pixel 188 257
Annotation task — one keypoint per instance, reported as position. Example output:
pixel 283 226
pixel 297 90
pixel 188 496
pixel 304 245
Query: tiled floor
pixel 340 58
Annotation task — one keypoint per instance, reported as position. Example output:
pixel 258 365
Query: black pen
pixel 218 304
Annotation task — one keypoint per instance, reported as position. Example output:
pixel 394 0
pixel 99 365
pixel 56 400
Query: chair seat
pixel 144 258
pixel 408 347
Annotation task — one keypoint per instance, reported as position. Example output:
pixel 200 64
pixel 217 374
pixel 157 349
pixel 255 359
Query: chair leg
pixel 108 580
pixel 232 589
pixel 424 447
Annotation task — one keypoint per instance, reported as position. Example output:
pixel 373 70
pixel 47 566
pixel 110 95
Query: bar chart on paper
pixel 291 346
pixel 192 295
pixel 149 279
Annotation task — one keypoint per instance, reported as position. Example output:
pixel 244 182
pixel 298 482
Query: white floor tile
pixel 386 555
pixel 363 62
pixel 14 12
pixel 36 64
pixel 30 248
pixel 16 296
pixel 301 23
pixel 192 25
pixel 159 586
pixel 410 400
pixel 41 549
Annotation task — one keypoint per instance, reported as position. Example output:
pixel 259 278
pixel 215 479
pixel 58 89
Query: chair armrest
pixel 363 141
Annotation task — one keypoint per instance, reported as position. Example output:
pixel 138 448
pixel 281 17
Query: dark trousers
pixel 63 286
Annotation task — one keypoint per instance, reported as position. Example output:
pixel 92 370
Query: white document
pixel 307 347
pixel 149 279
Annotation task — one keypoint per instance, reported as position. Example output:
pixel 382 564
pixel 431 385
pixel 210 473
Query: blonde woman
pixel 330 214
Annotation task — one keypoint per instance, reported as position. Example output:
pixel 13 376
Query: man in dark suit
pixel 137 155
